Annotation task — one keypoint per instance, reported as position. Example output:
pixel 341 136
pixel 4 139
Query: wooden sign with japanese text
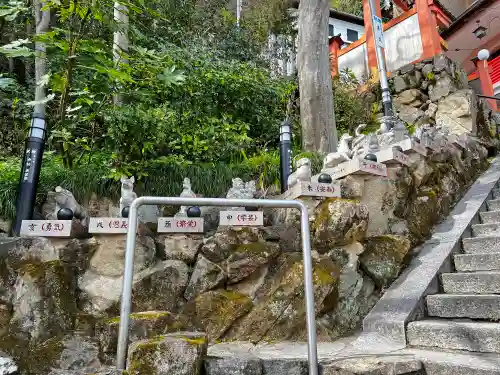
pixel 409 146
pixel 241 218
pixel 313 189
pixel 46 228
pixel 357 167
pixel 180 225
pixel 109 225
pixel 391 156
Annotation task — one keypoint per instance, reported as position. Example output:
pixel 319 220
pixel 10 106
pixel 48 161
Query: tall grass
pixel 210 180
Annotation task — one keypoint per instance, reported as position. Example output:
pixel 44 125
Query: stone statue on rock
pixel 187 192
pixel 241 190
pixel 65 199
pixel 371 146
pixel 127 192
pixel 302 173
pixel 341 156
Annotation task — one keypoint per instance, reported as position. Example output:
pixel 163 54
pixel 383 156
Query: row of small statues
pixel 65 200
pixel 362 145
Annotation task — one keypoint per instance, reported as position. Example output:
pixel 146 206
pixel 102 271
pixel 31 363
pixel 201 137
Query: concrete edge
pixel 404 300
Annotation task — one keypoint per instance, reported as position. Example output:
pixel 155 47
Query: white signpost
pixel 108 225
pixel 180 225
pixel 379 31
pixel 46 228
pixel 241 218
pixel 313 189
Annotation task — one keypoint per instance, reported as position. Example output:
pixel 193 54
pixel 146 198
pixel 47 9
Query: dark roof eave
pixel 462 19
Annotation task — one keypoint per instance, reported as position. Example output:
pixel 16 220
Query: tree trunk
pixel 120 40
pixel 42 19
pixel 319 133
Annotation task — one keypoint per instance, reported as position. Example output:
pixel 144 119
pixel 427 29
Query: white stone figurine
pixel 239 191
pixel 127 192
pixel 302 173
pixel 187 192
pixel 250 189
pixel 342 155
pixel 65 199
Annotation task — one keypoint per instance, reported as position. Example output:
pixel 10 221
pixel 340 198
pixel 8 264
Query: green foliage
pixel 351 108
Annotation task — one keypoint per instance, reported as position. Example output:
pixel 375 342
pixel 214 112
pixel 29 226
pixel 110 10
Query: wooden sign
pixel 392 156
pixel 241 218
pixel 46 228
pixel 109 225
pixel 180 225
pixel 357 167
pixel 409 146
pixel 313 189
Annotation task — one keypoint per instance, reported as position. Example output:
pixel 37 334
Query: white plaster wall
pixel 356 61
pixel 403 44
pixel 340 27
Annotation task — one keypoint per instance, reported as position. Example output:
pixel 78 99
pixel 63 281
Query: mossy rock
pixel 384 257
pixel 173 354
pixel 216 311
pixel 339 222
pixel 279 310
pixel 422 213
pixel 248 258
pixel 226 240
pixel 143 325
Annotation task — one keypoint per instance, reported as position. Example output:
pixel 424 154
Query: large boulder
pixel 179 247
pixel 143 325
pixel 206 275
pixel 458 112
pixel 155 288
pixel 109 259
pixel 339 222
pixel 172 354
pixel 384 257
pixel 217 310
pixel 279 311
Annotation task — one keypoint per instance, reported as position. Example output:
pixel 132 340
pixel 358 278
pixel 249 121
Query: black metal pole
pixel 285 153
pixel 30 172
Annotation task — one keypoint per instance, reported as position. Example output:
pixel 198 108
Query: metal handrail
pixel 312 353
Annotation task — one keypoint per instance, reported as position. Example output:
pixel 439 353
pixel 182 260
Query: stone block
pixel 494 205
pixel 484 282
pixel 455 335
pixel 479 230
pixel 477 262
pixel 481 245
pixel 485 307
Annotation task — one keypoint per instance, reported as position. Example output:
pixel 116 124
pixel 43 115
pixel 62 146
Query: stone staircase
pixel 466 315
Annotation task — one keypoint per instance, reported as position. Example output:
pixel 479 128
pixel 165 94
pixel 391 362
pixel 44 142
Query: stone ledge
pixel 403 301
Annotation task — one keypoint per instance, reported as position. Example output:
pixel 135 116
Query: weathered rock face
pixel 436 92
pixel 173 354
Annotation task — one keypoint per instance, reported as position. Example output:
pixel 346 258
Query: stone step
pixel 456 362
pixel 477 262
pixel 480 230
pixel 490 217
pixel 493 205
pixel 481 245
pixel 481 337
pixel 496 193
pixel 470 306
pixel 484 282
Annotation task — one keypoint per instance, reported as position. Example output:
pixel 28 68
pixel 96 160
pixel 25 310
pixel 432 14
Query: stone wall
pixel 436 91
pixel 59 299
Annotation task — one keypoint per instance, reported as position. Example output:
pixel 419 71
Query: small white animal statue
pixel 65 199
pixel 250 189
pixel 127 192
pixel 187 192
pixel 342 155
pixel 302 173
pixel 237 191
